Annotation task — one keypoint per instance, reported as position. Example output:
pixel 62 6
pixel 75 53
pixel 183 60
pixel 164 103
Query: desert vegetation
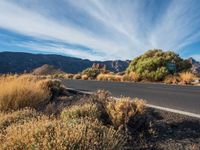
pixel 23 91
pixel 153 66
pixel 37 113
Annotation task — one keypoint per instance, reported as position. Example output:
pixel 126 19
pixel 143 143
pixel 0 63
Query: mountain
pixel 18 62
pixel 47 70
pixel 195 66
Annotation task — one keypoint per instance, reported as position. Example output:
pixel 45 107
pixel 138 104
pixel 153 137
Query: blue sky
pixel 100 29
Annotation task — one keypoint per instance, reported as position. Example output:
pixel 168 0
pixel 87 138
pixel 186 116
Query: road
pixel 183 98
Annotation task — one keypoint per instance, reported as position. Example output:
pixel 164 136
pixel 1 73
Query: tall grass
pixel 22 91
pixel 109 77
pixel 187 77
pixel 172 79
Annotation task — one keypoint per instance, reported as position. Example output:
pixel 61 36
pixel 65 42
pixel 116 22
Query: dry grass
pixel 84 77
pixel 68 76
pixel 187 77
pixel 90 125
pixel 172 79
pixel 77 76
pixel 133 76
pixel 122 110
pixel 16 117
pixel 22 91
pixel 42 132
pixel 109 77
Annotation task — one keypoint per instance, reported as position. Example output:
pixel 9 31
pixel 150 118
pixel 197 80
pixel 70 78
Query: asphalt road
pixel 184 98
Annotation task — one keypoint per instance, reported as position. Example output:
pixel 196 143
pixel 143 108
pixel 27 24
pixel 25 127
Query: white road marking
pixel 156 107
pixel 174 111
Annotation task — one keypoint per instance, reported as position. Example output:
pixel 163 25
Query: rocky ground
pixel 175 132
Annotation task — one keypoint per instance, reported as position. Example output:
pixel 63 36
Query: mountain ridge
pixel 19 62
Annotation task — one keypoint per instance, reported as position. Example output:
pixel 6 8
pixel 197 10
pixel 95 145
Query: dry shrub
pixel 50 133
pixel 55 76
pixel 51 109
pixel 172 79
pixel 126 77
pixel 101 77
pixel 23 91
pixel 118 78
pixel 133 76
pixel 68 76
pixel 187 77
pixel 120 111
pixel 84 77
pixel 109 77
pixel 77 76
pixel 87 110
pixel 16 117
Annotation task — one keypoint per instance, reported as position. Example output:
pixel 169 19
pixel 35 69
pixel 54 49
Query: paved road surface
pixel 184 98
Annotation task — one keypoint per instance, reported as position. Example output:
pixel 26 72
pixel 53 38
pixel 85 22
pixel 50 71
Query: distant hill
pixel 18 62
pixel 47 70
pixel 195 66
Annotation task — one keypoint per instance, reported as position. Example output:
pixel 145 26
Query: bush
pixel 120 111
pixel 23 91
pixel 43 132
pixel 109 77
pixel 68 76
pixel 77 76
pixel 92 73
pixel 16 117
pixel 152 65
pixel 87 110
pixel 84 77
pixel 187 77
pixel 55 76
pixel 172 79
pixel 132 76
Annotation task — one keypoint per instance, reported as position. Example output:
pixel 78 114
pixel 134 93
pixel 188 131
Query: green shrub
pixel 153 64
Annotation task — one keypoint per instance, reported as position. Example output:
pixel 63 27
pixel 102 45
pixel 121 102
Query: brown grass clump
pixel 172 79
pixel 102 77
pixel 118 78
pixel 77 76
pixel 43 132
pixel 187 77
pixel 109 77
pixel 120 111
pixel 68 76
pixel 133 76
pixel 22 91
pixel 84 77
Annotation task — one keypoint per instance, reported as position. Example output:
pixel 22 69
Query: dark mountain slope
pixel 18 62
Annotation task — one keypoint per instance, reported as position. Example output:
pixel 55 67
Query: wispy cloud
pixel 110 29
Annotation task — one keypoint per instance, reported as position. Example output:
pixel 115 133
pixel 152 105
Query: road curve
pixel 183 98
